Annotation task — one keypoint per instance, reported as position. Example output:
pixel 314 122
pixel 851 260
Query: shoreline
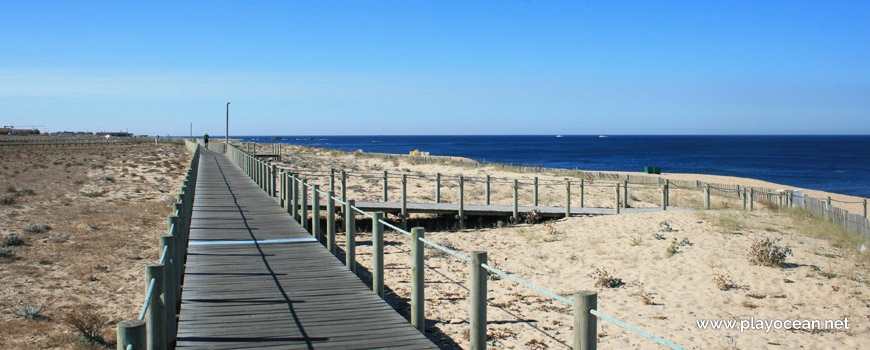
pixel 849 202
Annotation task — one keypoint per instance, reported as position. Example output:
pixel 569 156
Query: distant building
pixel 114 134
pixel 72 133
pixel 11 131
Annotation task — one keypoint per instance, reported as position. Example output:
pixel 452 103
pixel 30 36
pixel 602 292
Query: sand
pixel 663 295
pixel 104 208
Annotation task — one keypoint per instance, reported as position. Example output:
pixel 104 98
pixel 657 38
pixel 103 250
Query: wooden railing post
pixel 477 286
pixel 132 332
pixel 404 211
pixel 304 217
pixel 378 254
pixel 272 180
pixel 343 186
pixel 385 186
pixel 625 195
pixel 488 193
pixel 585 323
pixel 865 208
pixel 282 188
pixel 330 222
pixel 350 239
pixel 516 207
pixel 171 291
pixel 418 318
pixel 315 213
pixel 155 316
pixel 616 201
pixel 567 198
pixel 294 199
pixel 582 190
pixel 288 183
pixel 331 180
pixel 535 193
pixel 707 203
pixel 751 199
pixel 461 213
pixel 437 187
pixel 664 201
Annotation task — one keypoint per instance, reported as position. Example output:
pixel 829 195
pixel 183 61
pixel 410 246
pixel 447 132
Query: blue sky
pixel 437 67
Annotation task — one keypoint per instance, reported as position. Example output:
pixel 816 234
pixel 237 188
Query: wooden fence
pixel 156 326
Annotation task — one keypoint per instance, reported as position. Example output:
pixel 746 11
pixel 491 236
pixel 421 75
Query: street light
pixel 227 140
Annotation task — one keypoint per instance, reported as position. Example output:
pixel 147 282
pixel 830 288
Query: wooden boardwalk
pixel 494 210
pixel 256 279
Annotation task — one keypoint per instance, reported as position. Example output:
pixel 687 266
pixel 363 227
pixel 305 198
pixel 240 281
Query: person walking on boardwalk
pixel 205 138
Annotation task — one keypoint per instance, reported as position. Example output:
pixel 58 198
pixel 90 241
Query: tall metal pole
pixel 227 139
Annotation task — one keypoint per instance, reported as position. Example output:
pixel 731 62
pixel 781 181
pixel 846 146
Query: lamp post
pixel 227 139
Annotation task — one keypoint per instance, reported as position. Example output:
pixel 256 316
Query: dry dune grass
pixel 676 267
pixel 90 218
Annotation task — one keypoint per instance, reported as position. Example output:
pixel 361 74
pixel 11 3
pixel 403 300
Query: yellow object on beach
pixel 417 152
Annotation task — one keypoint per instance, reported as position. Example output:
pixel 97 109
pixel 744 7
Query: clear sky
pixel 437 67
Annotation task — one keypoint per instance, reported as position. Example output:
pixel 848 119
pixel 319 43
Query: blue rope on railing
pixel 147 299
pixel 635 330
pixel 515 279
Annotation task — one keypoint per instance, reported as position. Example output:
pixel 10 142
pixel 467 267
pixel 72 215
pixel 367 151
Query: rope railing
pixel 148 296
pixel 696 185
pixel 162 299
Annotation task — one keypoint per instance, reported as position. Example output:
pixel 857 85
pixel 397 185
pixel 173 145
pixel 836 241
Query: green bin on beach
pixel 652 170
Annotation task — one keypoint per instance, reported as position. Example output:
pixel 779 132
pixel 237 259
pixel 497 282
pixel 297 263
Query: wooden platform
pixel 495 210
pixel 256 279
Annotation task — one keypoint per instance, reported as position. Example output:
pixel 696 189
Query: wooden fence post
pixel 304 216
pixel 585 323
pixel 404 211
pixel 745 198
pixel 378 254
pixel 343 186
pixel 751 199
pixel 582 185
pixel 487 189
pixel 272 180
pixel 616 201
pixel 330 222
pixel 331 180
pixel 567 198
pixel 535 193
pixel 155 316
pixel 477 284
pixel 315 213
pixel 865 208
pixel 171 292
pixel 295 199
pixel 707 203
pixel 461 213
pixel 516 207
pixel 385 186
pixel 282 187
pixel 625 195
pixel 288 181
pixel 418 318
pixel 437 187
pixel 132 332
pixel 350 231
pixel 664 201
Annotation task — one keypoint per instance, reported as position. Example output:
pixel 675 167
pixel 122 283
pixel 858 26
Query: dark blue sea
pixel 838 164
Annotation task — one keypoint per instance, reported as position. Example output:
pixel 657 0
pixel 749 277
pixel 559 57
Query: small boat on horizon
pixel 558 135
pixel 602 136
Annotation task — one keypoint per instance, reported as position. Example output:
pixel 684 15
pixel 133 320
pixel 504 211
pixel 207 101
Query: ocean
pixel 839 164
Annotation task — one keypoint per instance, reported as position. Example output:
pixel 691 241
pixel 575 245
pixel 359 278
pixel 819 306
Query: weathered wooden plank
pixel 245 293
